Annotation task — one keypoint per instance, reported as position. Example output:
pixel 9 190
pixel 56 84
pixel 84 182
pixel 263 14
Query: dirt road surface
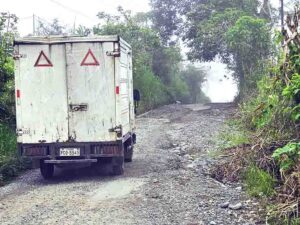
pixel 167 182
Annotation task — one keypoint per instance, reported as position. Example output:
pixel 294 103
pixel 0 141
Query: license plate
pixel 69 152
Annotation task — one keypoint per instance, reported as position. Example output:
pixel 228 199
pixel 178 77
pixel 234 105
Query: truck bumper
pixel 89 152
pixel 70 161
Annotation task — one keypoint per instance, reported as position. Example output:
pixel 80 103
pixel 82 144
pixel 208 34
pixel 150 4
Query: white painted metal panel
pixel 42 106
pixel 131 115
pixel 130 87
pixel 124 90
pixel 93 86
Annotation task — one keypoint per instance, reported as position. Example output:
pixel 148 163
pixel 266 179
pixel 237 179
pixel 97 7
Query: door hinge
pixel 117 129
pixel 23 131
pixel 17 56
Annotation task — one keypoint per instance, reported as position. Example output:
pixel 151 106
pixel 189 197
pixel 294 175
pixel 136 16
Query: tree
pixel 7 32
pixel 55 28
pixel 203 26
pixel 83 31
pixel 171 17
pixel 195 77
pixel 249 43
pixel 155 66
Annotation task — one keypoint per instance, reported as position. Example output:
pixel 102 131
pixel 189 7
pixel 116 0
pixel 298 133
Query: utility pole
pixel 8 22
pixel 33 25
pixel 282 20
pixel 282 15
pixel 74 26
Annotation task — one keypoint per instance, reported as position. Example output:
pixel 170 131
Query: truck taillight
pixel 106 150
pixel 18 94
pixel 35 151
pixel 117 90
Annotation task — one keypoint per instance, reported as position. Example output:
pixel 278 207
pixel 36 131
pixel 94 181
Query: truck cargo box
pixel 74 98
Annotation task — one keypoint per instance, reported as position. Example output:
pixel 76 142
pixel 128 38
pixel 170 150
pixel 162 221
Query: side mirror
pixel 136 95
pixel 136 98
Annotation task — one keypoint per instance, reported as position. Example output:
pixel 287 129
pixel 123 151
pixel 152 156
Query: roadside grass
pixel 280 209
pixel 10 164
pixel 254 165
pixel 259 183
pixel 295 221
pixel 231 136
pixel 8 141
pixel 234 142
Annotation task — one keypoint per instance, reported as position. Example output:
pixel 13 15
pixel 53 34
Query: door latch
pixel 78 107
pixel 114 53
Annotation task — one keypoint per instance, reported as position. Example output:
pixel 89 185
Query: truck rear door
pixel 91 91
pixel 41 93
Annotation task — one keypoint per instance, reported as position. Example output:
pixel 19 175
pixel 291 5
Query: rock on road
pixel 165 184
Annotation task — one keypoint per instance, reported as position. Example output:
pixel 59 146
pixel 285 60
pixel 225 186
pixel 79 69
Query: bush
pixel 10 164
pixel 178 90
pixel 269 113
pixel 8 141
pixel 259 182
pixel 10 167
pixel 153 92
pixel 233 135
pixel 287 156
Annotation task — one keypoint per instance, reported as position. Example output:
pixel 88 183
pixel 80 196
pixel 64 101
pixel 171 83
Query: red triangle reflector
pixel 43 61
pixel 89 59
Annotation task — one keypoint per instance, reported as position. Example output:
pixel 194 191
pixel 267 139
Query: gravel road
pixel 167 182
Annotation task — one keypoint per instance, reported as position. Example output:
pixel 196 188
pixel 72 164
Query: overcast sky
pixel 70 11
pixel 67 11
pixel 84 12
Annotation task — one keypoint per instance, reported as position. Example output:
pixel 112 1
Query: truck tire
pixel 47 170
pixel 128 153
pixel 117 166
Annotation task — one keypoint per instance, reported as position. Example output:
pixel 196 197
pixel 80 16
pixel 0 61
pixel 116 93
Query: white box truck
pixel 74 101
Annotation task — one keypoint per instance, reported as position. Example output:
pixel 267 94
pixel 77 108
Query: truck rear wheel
pixel 118 166
pixel 47 170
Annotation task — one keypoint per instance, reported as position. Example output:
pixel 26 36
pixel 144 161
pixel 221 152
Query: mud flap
pixel 47 170
pixel 117 165
pixel 128 153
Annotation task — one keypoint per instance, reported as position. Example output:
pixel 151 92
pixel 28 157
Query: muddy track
pixel 165 184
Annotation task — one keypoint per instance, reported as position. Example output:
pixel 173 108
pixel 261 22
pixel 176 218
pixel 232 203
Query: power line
pixel 72 10
pixel 40 19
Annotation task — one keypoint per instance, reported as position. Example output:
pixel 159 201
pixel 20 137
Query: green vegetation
pixel 259 182
pixel 10 164
pixel 8 142
pixel 232 136
pixel 287 156
pixel 7 32
pixel 269 115
pixel 156 67
pixel 236 32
